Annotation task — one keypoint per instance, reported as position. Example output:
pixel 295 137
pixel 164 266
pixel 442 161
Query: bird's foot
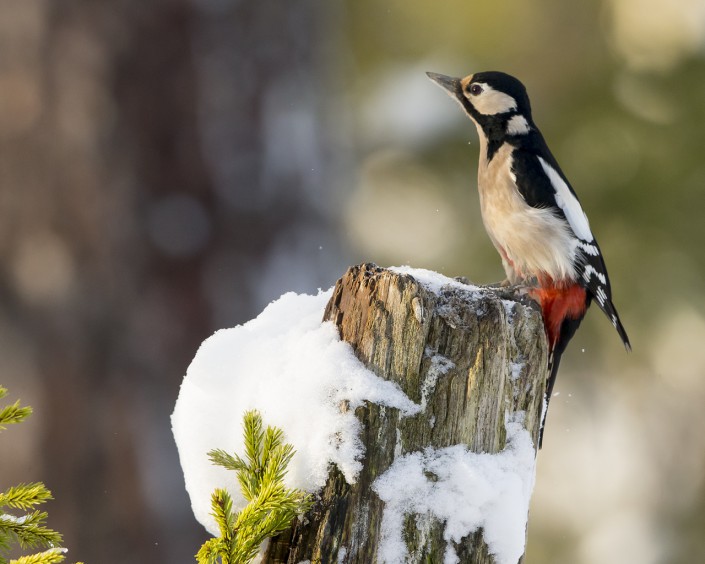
pixel 515 292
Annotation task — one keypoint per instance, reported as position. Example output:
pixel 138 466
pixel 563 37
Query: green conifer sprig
pixel 271 505
pixel 51 556
pixel 25 496
pixel 28 530
pixel 14 413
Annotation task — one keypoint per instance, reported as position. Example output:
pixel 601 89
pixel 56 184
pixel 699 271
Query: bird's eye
pixel 475 89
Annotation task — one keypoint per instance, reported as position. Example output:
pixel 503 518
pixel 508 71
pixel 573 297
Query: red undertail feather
pixel 559 301
pixel 563 305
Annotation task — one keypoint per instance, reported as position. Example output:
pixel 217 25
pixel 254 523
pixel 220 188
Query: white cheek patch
pixel 568 203
pixel 491 102
pixel 517 125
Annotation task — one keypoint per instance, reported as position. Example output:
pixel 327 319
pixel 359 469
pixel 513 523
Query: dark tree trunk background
pixel 144 205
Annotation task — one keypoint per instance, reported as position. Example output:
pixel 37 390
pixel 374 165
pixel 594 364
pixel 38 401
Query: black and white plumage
pixel 530 210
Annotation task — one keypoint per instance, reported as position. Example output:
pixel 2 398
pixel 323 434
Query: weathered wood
pixel 493 350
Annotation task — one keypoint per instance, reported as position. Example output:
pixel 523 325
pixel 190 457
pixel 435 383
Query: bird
pixel 532 214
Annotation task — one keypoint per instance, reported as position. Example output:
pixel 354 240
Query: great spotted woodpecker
pixel 531 212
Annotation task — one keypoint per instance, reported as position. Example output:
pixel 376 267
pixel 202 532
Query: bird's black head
pixel 490 98
pixel 494 92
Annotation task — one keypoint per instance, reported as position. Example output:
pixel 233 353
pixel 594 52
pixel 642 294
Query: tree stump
pixel 472 357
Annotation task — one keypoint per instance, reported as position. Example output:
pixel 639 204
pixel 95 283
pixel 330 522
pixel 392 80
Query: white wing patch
pixel 517 125
pixel 601 295
pixel 590 271
pixel 568 203
pixel 588 248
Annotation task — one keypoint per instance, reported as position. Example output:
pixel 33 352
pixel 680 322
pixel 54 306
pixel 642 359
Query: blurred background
pixel 167 168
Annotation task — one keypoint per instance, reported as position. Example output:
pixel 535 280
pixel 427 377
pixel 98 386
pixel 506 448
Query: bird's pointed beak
pixel 448 83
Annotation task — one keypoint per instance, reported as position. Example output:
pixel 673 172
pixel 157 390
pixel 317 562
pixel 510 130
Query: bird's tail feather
pixel 553 363
pixel 558 341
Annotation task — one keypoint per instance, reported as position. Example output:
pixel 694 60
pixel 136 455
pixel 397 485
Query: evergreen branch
pixel 4 544
pixel 231 462
pixel 222 505
pixel 211 551
pixel 254 437
pixel 272 498
pixel 249 483
pixel 13 414
pixel 273 438
pixel 271 505
pixel 244 549
pixel 278 462
pixel 25 496
pixel 50 556
pixel 246 476
pixel 29 529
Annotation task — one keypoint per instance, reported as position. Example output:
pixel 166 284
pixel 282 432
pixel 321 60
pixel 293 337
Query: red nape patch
pixel 559 302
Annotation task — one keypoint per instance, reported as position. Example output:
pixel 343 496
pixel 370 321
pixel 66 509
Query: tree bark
pixel 493 353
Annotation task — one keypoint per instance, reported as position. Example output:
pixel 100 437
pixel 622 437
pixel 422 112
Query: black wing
pixel 593 276
pixel 537 190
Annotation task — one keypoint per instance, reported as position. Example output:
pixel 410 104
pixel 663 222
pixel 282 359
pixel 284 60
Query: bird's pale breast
pixel 533 242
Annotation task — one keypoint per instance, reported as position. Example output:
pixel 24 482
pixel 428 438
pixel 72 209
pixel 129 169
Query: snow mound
pixel 296 371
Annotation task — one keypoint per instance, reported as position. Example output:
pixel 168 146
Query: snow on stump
pixel 450 479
